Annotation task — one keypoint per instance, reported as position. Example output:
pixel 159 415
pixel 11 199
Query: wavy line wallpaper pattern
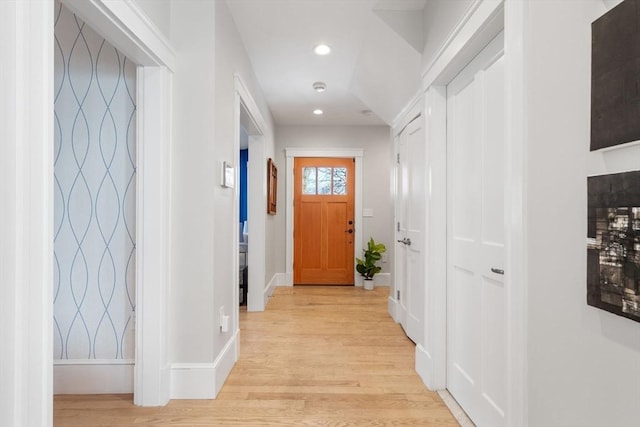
pixel 95 198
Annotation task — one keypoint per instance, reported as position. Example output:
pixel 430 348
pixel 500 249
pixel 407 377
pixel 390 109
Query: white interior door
pixel 410 220
pixel 476 351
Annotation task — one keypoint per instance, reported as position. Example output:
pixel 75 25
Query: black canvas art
pixel 613 244
pixel 615 76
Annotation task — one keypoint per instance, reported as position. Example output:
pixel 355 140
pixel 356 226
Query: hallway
pixel 318 356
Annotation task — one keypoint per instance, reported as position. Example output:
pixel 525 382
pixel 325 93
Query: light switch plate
pixel 228 175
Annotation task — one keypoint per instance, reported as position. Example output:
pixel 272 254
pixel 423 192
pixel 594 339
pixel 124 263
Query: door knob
pixel 497 270
pixel 405 241
pixel 350 230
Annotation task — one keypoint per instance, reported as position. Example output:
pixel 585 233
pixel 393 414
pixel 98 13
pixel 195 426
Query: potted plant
pixel 367 266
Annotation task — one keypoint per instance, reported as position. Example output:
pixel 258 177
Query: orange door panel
pixel 323 221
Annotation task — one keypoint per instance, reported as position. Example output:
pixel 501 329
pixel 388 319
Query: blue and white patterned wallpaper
pixel 95 198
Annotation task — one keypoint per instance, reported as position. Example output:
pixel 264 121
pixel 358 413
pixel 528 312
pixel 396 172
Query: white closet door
pixel 476 351
pixel 410 219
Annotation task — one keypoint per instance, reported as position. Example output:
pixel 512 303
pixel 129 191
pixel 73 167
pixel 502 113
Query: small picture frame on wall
pixel 272 187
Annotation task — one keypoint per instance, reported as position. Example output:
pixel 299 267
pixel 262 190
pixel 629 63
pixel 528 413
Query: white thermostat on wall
pixel 228 175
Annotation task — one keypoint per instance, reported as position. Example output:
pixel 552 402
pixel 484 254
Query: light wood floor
pixel 318 356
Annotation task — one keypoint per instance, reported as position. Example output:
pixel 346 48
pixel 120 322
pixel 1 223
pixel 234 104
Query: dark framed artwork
pixel 272 187
pixel 613 243
pixel 615 76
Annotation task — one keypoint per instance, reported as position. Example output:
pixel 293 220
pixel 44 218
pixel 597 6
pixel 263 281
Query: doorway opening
pixel 250 241
pixel 94 211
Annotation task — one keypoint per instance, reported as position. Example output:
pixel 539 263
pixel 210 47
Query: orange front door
pixel 324 229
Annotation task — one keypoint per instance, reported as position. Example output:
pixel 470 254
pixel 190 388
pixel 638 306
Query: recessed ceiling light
pixel 318 112
pixel 322 49
pixel 320 86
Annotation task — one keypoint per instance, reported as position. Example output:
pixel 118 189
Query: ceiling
pixel 374 64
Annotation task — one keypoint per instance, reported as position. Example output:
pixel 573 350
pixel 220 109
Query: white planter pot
pixel 368 284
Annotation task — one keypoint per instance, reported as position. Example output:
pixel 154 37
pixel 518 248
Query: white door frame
pixel 484 20
pixel 291 154
pixel 256 200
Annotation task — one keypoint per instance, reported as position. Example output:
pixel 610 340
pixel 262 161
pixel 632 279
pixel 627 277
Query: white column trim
pixel 153 235
pixel 433 358
pixel 291 154
pixel 516 278
pixel 26 213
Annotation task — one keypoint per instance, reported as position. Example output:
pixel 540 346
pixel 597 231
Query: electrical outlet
pixel 221 318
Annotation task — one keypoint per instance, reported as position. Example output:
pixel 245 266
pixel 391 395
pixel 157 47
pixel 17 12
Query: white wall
pixel 440 19
pixel 158 12
pixel 209 53
pixel 375 140
pixel 583 363
pixel 194 176
pixel 231 59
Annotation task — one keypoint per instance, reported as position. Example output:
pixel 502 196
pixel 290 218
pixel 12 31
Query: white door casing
pixel 410 180
pixel 476 321
pixel 247 114
pixel 291 154
pixel 399 307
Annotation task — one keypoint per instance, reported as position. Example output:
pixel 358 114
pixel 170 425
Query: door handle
pixel 405 241
pixel 497 270
pixel 350 230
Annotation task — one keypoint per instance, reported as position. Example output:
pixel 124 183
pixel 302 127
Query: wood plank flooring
pixel 318 356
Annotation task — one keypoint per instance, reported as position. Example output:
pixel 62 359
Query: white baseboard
pixel 392 308
pixel 268 291
pixel 93 376
pixel 284 279
pixel 424 366
pixel 225 361
pixel 382 279
pixel 193 381
pixel 203 380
